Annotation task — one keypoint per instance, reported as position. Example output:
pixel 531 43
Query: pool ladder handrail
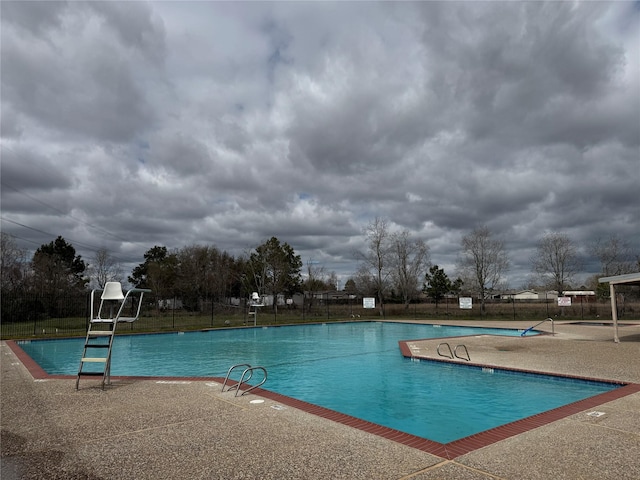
pixel 454 353
pixel 553 329
pixel 249 370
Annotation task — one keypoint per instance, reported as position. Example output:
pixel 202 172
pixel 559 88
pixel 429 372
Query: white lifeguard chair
pixel 254 304
pixel 102 327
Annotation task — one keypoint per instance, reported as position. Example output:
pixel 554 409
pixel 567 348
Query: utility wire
pixel 49 206
pixel 23 239
pixel 82 244
pixel 100 229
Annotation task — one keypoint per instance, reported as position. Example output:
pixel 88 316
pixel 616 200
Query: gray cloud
pixel 36 17
pixel 131 125
pixel 136 26
pixel 76 76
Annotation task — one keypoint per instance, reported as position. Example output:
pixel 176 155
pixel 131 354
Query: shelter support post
pixel 614 312
pixel 626 279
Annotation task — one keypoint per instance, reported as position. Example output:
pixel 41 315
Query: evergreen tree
pixel 275 268
pixel 158 272
pixel 57 268
pixel 437 284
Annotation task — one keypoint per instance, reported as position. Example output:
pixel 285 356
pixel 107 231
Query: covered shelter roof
pixel 628 279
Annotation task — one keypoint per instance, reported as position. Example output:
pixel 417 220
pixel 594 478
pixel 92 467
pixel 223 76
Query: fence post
pixel 327 305
pixel 35 316
pixel 546 302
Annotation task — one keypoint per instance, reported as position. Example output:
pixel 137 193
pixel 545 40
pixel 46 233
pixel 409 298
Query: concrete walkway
pixel 139 429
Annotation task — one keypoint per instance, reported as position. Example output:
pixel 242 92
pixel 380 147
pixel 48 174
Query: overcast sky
pixel 134 124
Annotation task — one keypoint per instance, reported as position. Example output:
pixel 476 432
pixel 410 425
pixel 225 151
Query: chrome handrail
pixel 250 371
pixel 247 373
pixel 553 329
pixel 237 385
pixel 455 352
pixel 444 354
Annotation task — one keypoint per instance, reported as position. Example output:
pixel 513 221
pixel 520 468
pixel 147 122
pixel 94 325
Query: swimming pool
pixel 352 368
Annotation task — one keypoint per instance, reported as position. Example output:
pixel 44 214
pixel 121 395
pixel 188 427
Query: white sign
pixel 564 301
pixel 368 302
pixel 466 302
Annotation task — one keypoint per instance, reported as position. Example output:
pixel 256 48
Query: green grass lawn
pixel 154 321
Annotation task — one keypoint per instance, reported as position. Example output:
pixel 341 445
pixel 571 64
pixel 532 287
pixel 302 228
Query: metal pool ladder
pixel 454 353
pixel 244 378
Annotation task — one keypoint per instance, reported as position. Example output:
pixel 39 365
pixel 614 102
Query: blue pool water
pixel 352 368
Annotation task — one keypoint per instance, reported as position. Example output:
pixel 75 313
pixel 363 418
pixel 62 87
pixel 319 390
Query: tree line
pixel 394 267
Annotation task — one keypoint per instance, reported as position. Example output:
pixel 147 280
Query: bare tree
pixel 483 261
pixel 316 276
pixel 614 254
pixel 556 261
pixel 203 272
pixel 375 262
pixel 318 279
pixel 13 264
pixel 315 281
pixel 409 259
pixel 104 268
pixel 363 281
pixel 255 273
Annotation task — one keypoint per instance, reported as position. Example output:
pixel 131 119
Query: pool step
pixel 101 333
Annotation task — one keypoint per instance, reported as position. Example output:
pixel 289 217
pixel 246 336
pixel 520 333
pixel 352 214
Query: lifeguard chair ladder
pixel 101 331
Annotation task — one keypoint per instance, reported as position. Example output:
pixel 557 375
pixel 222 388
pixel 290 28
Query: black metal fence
pixel 32 315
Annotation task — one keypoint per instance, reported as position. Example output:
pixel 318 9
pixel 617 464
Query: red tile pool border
pixel 447 451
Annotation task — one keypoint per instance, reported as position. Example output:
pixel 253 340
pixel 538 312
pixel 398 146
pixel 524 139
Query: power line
pixel 49 206
pixel 25 226
pixel 93 248
pixel 23 239
pixel 63 213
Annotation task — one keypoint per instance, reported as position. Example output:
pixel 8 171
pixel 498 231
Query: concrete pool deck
pixel 188 429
